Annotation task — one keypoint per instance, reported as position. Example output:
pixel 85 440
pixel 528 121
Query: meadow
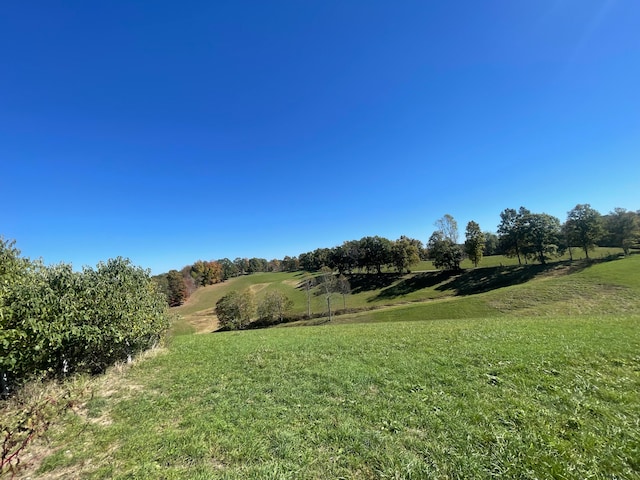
pixel 536 375
pixel 424 284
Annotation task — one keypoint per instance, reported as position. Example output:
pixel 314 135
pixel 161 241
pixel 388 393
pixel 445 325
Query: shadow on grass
pixel 479 280
pixel 482 280
pixel 366 282
pixel 412 284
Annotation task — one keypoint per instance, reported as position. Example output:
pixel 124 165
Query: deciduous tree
pixel 623 229
pixel 344 288
pixel 176 288
pixel 512 232
pixel 273 305
pixel 491 244
pixel 449 228
pixel 235 310
pixel 541 236
pixel 474 242
pixel 443 248
pixel 443 252
pixel 584 227
pixel 404 254
pixel 328 285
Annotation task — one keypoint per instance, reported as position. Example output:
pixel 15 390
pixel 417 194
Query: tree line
pixel 522 234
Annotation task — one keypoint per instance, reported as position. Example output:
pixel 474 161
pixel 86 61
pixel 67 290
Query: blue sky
pixel 168 132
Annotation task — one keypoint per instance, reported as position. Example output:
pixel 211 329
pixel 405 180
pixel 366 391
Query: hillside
pixel 539 379
pixel 495 289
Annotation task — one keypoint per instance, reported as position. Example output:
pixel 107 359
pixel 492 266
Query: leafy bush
pixel 56 321
pixel 235 309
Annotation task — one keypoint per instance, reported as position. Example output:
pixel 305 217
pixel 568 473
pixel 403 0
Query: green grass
pixel 514 372
pixel 517 398
pixel 375 291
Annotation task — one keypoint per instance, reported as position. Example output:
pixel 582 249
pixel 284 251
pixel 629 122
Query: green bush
pixel 54 321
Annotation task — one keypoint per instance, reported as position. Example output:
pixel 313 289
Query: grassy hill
pixel 377 291
pixel 538 379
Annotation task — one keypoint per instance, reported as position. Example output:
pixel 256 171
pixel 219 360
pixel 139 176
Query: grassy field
pixel 515 398
pixel 535 376
pixel 373 291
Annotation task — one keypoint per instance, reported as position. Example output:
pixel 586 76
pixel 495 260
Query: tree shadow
pixel 482 280
pixel 366 282
pixel 412 284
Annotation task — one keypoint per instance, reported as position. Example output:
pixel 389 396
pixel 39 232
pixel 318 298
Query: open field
pixel 517 398
pixel 540 379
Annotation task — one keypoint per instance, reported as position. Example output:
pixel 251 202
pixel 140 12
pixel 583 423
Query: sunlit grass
pixel 518 398
pixel 375 291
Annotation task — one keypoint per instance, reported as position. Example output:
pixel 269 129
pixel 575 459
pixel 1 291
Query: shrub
pixel 54 321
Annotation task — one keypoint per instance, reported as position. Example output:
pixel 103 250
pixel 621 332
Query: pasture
pixel 535 379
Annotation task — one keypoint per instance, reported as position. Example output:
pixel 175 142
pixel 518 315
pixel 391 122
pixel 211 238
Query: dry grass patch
pixel 257 287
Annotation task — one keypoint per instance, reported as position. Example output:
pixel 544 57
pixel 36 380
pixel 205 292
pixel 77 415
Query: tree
pixel 541 232
pixel 443 252
pixel 404 253
pixel 176 288
pixel 491 244
pixel 511 232
pixel 257 265
pixel 235 309
pixel 343 287
pixel 307 283
pixel 206 273
pixel 449 228
pixel 443 248
pixel 290 264
pixel 328 285
pixel 623 229
pixel 274 304
pixel 584 227
pixel 352 255
pixel 474 243
pixel 376 252
pixel 189 281
pixel 241 264
pixel 229 269
pixel 274 265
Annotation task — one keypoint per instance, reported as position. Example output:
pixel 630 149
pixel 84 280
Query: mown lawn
pixel 531 397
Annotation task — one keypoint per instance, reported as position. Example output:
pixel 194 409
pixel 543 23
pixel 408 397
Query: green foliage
pixel 274 305
pixel 474 243
pixel 404 254
pixel 176 288
pixel 541 235
pixel 444 253
pixel 584 227
pixel 235 310
pixel 491 244
pixel 622 229
pixel 512 232
pixel 55 321
pixel 206 273
pixel 529 235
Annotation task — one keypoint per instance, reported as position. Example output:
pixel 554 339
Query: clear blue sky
pixel 168 132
